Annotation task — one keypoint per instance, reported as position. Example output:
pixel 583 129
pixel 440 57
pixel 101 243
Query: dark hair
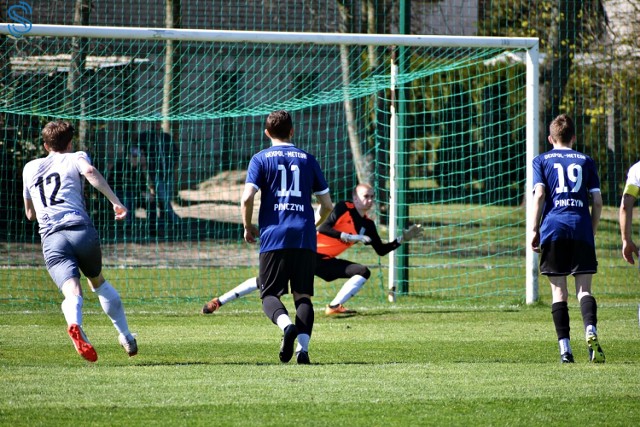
pixel 562 129
pixel 58 134
pixel 279 125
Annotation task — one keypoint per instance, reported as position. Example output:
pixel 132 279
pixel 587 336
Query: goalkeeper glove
pixel 355 238
pixel 412 232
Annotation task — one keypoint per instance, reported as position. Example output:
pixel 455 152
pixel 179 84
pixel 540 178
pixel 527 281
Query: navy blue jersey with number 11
pixel 287 178
pixel 568 177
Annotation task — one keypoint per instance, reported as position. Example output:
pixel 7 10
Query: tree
pixel 172 70
pixel 76 81
pixel 566 29
pixel 346 26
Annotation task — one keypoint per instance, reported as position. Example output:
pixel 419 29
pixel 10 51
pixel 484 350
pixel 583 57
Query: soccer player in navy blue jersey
pixel 346 225
pixel 287 178
pixel 565 181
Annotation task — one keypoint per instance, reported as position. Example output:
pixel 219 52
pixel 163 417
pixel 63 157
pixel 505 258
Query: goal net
pixel 438 125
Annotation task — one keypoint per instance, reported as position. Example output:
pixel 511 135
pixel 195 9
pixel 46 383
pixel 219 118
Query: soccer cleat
pixel 129 343
pixel 286 349
pixel 566 358
pixel 302 357
pixel 338 309
pixel 596 355
pixel 81 343
pixel 211 306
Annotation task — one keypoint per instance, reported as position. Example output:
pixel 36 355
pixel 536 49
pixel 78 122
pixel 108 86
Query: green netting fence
pixel 463 131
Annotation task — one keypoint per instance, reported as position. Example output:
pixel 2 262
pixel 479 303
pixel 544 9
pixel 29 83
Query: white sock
pixel 564 345
pixel 349 289
pixel 590 330
pixel 283 321
pixel 244 288
pixel 112 306
pixel 72 309
pixel 303 342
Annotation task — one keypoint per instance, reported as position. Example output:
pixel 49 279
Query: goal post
pixel 469 127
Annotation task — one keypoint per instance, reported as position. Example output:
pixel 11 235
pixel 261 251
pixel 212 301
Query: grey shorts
pixel 69 251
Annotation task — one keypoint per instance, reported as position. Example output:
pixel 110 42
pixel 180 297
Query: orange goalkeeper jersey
pixel 345 219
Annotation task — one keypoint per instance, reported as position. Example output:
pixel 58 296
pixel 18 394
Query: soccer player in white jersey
pixel 629 197
pixel 53 194
pixel 564 181
pixel 287 178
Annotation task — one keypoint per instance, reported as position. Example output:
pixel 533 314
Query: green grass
pixel 462 349
pixel 403 365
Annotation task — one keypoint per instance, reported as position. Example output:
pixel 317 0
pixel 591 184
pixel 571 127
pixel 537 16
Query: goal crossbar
pixel 42 30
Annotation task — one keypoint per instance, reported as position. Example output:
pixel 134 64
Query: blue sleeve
pixel 253 172
pixel 537 172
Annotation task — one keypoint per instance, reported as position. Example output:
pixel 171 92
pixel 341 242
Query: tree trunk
pixel 376 115
pixel 76 81
pixel 5 64
pixel 172 71
pixel 349 110
pixel 558 69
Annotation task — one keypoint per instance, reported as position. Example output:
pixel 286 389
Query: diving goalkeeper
pixel 347 225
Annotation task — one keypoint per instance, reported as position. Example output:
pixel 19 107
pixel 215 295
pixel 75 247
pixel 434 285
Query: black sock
pixel 273 307
pixel 560 314
pixel 589 310
pixel 304 316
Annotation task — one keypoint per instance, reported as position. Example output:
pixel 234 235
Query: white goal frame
pixel 532 107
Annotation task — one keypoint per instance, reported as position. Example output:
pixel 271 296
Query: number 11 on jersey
pixel 283 192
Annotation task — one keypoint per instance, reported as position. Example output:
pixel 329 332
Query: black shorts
pixel 281 268
pixel 330 269
pixel 564 257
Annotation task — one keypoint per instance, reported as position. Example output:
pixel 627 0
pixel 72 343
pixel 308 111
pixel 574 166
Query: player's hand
pixel 535 242
pixel 121 212
pixel 251 234
pixel 412 232
pixel 355 238
pixel 628 250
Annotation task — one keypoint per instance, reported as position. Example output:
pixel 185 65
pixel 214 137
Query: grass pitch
pixel 407 365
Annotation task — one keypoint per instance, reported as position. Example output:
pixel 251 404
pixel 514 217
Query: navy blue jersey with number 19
pixel 287 177
pixel 568 177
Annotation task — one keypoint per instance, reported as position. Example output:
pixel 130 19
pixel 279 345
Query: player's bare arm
pixel 596 210
pixel 29 210
pixel 251 232
pixel 326 206
pixel 538 204
pixel 95 178
pixel 629 248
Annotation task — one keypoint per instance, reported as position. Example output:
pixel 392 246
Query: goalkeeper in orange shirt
pixel 347 225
